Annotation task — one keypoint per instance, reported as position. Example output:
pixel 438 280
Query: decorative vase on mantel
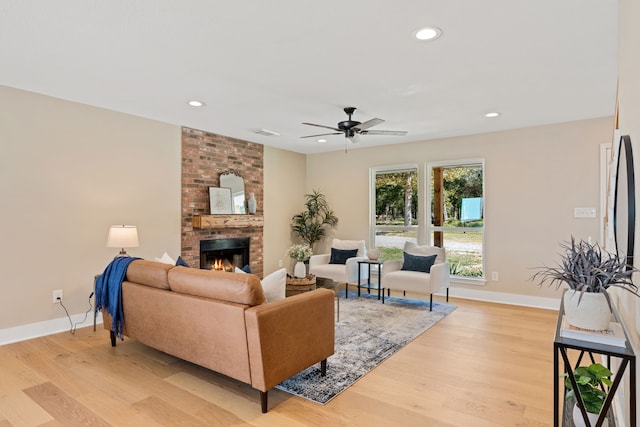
pixel 251 204
pixel 592 313
pixel 299 270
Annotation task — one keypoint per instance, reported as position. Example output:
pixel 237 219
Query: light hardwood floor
pixel 483 365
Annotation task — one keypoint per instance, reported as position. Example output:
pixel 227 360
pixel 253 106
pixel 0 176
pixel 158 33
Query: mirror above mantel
pixel 233 180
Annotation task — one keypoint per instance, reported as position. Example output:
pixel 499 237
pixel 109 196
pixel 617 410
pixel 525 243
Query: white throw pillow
pixel 274 285
pixel 166 259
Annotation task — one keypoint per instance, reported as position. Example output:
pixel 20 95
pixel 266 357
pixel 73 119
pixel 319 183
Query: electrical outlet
pixel 280 263
pixel 494 276
pixel 57 295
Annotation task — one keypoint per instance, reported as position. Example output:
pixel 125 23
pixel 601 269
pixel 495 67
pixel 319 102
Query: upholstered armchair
pixel 341 265
pixel 423 269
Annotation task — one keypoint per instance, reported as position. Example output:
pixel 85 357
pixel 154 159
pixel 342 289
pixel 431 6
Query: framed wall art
pixel 220 200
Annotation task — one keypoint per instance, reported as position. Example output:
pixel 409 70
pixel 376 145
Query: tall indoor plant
pixel 310 225
pixel 589 272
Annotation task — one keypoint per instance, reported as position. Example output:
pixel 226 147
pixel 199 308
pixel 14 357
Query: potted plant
pixel 590 381
pixel 589 272
pixel 300 253
pixel 311 224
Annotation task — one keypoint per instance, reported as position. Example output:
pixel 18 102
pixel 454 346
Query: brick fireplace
pixel 204 157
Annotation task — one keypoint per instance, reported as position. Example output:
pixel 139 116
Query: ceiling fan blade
pixel 384 132
pixel 369 123
pixel 322 126
pixel 322 134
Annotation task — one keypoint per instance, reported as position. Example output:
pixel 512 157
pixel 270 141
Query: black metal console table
pixel 562 345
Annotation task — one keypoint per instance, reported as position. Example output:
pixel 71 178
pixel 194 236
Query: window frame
pixel 430 228
pixel 373 172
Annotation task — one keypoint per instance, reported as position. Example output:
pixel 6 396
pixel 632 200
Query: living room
pixel 70 170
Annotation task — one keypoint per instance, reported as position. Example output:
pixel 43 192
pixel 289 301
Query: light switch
pixel 584 212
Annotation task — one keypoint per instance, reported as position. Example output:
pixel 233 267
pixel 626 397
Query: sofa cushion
pixel 181 263
pixel 274 285
pixel 233 287
pixel 166 259
pixel 417 263
pixel 340 256
pixel 150 273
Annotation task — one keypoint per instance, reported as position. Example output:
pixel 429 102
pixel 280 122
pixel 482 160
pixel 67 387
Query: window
pixel 394 194
pixel 456 209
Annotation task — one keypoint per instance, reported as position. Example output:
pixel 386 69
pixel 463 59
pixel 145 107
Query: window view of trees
pixel 457 216
pixel 396 205
pixel 456 213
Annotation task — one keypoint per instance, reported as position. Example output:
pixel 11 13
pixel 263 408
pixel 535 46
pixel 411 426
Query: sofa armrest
pixel 319 259
pixel 389 266
pixel 287 336
pixel 439 276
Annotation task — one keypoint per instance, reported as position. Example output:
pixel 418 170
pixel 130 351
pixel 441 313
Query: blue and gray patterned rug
pixel 367 334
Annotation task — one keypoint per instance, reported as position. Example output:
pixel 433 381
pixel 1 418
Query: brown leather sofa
pixel 221 321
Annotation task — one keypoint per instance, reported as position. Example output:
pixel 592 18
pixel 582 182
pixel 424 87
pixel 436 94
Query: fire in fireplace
pixel 224 254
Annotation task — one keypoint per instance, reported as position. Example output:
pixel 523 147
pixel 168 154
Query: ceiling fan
pixel 350 128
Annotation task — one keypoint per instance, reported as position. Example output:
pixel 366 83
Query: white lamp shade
pixel 123 236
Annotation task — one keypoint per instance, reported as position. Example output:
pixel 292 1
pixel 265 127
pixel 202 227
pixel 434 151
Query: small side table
pixel 297 286
pixel 368 286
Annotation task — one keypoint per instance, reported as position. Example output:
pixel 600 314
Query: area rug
pixel 368 333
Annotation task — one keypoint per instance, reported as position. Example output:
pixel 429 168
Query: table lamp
pixel 123 236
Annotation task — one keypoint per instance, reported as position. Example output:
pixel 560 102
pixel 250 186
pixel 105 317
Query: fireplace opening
pixel 224 254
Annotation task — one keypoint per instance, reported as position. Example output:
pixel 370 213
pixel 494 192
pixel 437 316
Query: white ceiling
pixel 275 64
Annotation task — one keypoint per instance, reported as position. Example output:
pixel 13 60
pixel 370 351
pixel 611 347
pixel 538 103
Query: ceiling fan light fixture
pixel 428 33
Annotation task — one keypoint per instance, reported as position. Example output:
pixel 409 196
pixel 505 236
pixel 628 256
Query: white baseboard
pixel 40 329
pixel 504 298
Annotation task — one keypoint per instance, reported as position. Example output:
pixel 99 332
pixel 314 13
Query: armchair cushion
pixel 414 249
pixel 418 263
pixel 350 244
pixel 340 256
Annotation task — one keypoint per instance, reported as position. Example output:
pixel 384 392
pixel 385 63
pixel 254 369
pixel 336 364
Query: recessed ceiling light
pixel 322 140
pixel 492 114
pixel 428 33
pixel 196 103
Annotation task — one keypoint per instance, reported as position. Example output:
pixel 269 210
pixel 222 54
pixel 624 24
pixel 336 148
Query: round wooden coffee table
pixel 297 286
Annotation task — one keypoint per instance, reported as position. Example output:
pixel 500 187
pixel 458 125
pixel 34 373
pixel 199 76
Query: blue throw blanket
pixel 109 292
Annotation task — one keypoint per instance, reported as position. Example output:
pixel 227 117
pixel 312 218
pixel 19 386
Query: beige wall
pixel 534 179
pixel 629 124
pixel 284 189
pixel 67 172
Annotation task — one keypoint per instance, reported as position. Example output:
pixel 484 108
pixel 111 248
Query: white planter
pixel 299 270
pixel 373 254
pixel 579 421
pixel 592 312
